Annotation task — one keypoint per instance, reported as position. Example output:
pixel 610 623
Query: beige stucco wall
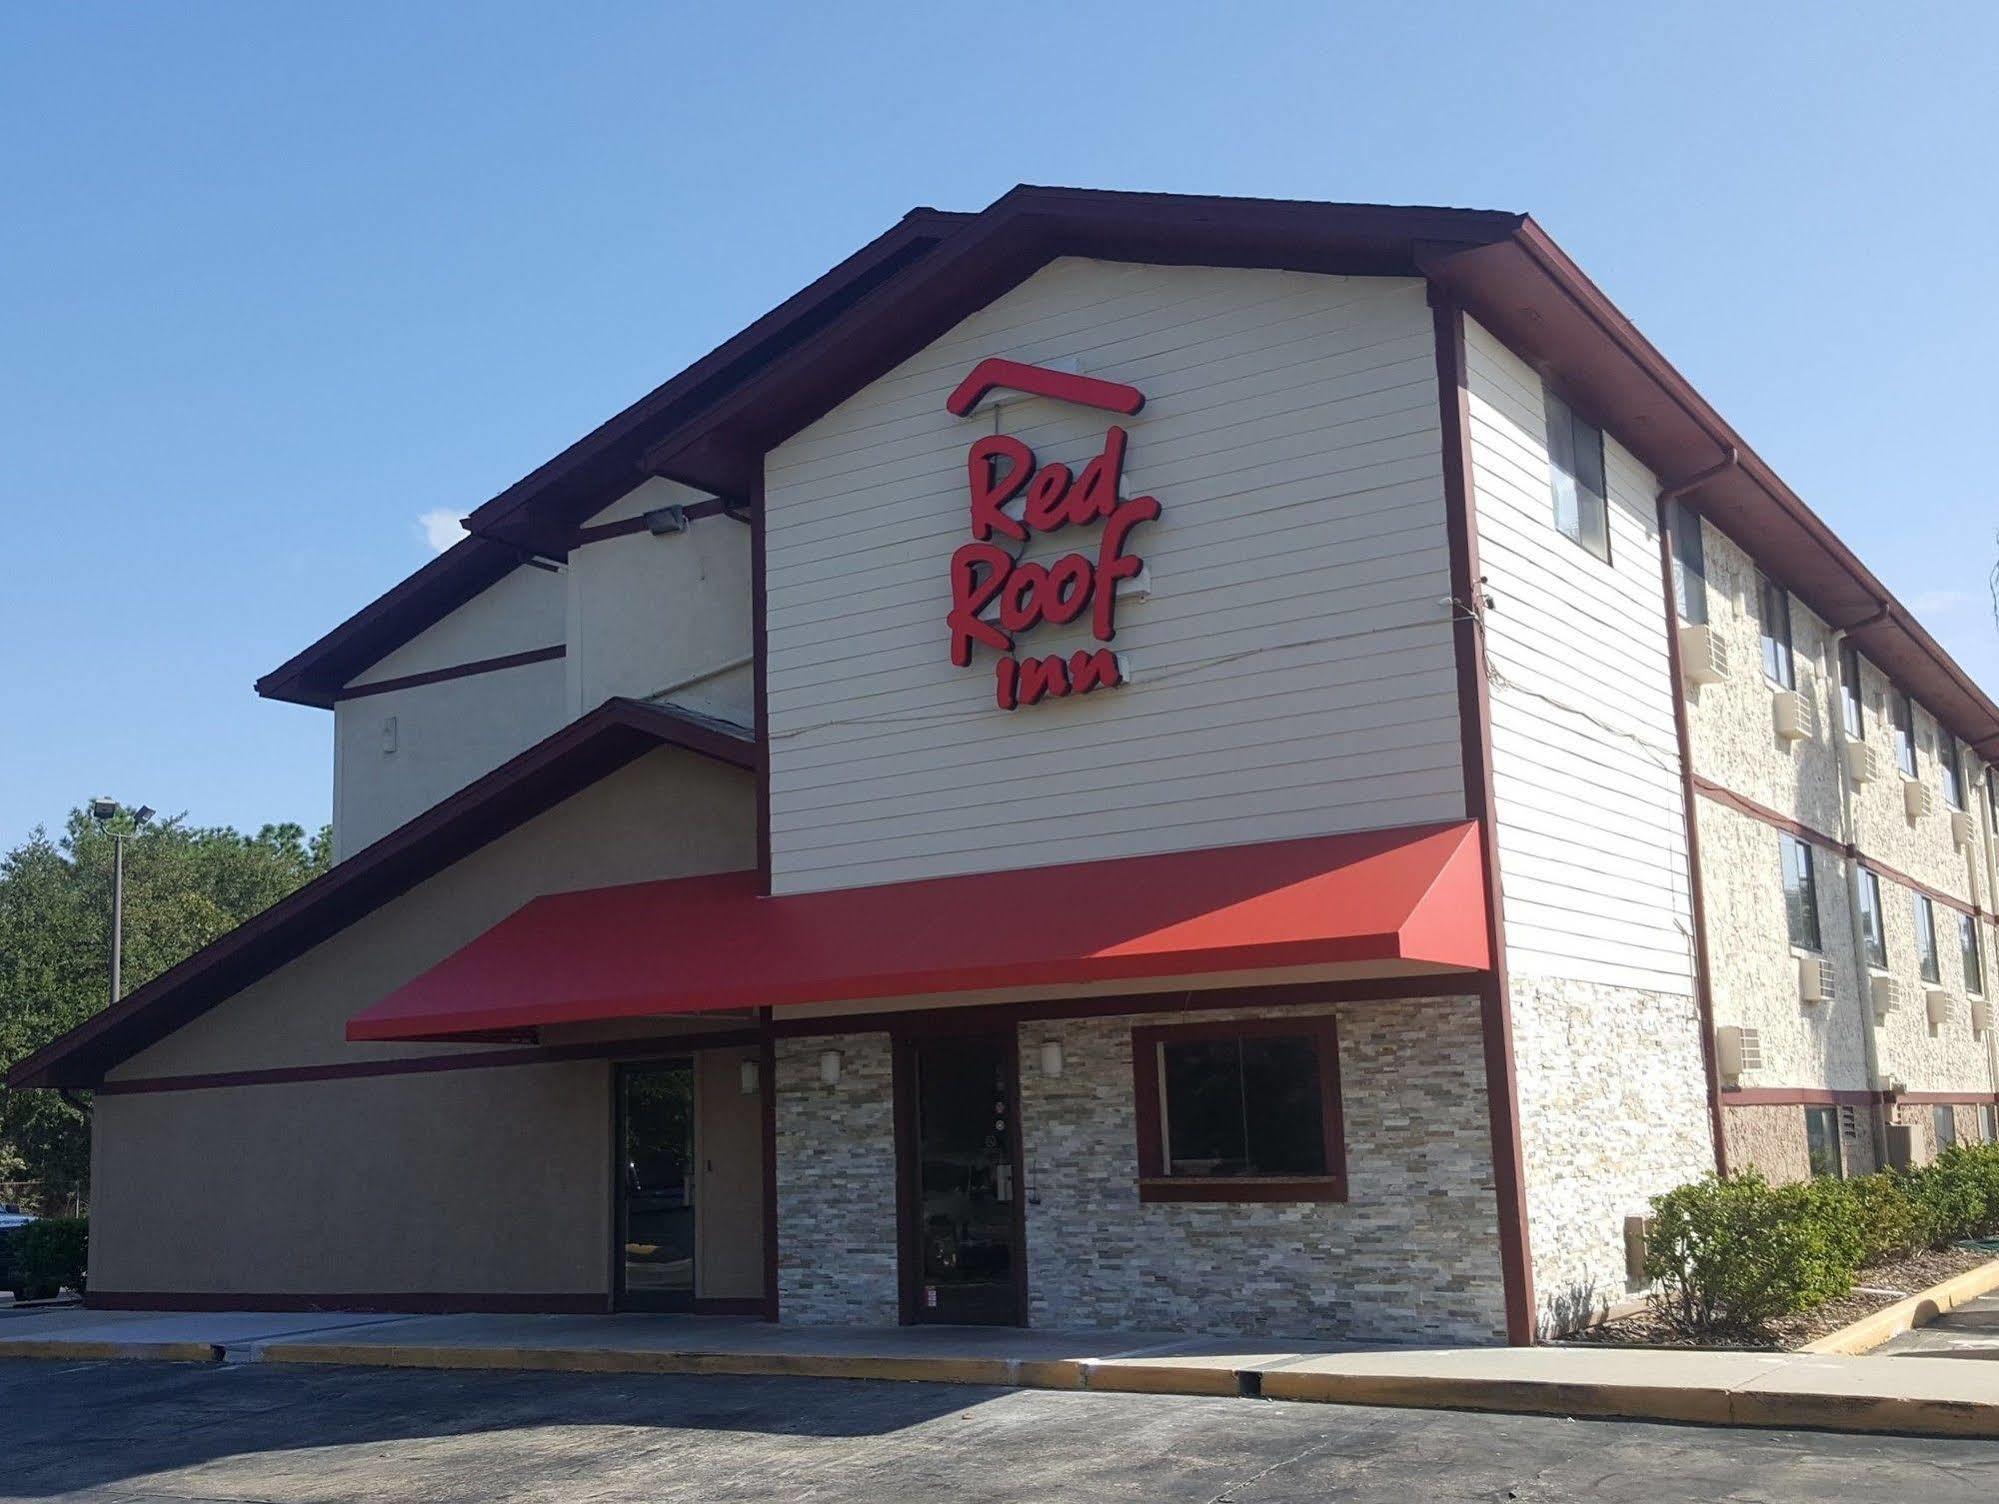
pixel 447 733
pixel 669 814
pixel 662 617
pixel 461 1182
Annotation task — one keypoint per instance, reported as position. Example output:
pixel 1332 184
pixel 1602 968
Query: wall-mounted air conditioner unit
pixel 1792 710
pixel 1889 1084
pixel 1863 763
pixel 1886 995
pixel 1981 1017
pixel 1917 800
pixel 1703 656
pixel 1960 827
pixel 1936 1008
pixel 1737 1050
pixel 1815 979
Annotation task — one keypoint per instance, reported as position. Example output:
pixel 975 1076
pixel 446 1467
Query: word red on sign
pixel 986 575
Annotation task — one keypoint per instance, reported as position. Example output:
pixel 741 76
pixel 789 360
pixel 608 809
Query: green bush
pixel 1730 1256
pixel 50 1256
pixel 1888 1219
pixel 1959 1192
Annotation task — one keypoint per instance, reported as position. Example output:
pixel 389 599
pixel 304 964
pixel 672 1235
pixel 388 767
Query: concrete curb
pixel 98 1352
pixel 1801 1395
pixel 1920 1309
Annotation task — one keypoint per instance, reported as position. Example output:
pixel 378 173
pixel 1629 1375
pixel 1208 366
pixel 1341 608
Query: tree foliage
pixel 184 886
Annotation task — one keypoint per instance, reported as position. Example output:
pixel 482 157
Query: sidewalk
pixel 1924 1396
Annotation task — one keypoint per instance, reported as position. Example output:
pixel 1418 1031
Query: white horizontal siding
pixel 1293 672
pixel 1586 783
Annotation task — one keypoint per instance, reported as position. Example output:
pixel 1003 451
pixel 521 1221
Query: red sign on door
pixel 995 594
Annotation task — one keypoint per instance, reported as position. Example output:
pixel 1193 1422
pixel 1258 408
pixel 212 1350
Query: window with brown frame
pixel 1247 1110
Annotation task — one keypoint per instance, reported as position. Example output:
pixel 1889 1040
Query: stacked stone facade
pixel 1411 1255
pixel 836 1177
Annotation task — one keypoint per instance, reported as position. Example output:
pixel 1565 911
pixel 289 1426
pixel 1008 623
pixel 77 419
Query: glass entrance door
pixel 964 1247
pixel 655 1255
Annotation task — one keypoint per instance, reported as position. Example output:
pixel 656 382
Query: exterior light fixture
pixel 1051 1057
pixel 747 1079
pixel 661 521
pixel 829 1067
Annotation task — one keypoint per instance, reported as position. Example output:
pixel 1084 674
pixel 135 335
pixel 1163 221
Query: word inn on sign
pixel 995 594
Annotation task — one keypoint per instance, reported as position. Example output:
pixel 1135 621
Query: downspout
pixel 1696 903
pixel 1849 836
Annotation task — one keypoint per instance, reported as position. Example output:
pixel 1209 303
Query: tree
pixel 184 886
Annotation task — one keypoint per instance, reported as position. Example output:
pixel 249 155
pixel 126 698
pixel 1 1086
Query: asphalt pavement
pixel 135 1432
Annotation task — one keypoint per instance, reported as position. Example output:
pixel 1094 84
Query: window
pixel 1239 1112
pixel 1950 759
pixel 1943 1123
pixel 1575 465
pixel 1689 565
pixel 1801 899
pixel 1773 609
pixel 1974 965
pixel 1988 1123
pixel 1905 733
pixel 1849 692
pixel 1873 932
pixel 1822 1140
pixel 1926 939
pixel 1992 799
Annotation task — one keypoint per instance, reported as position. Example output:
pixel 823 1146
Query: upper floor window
pixel 1951 760
pixel 1904 710
pixel 1926 939
pixel 1575 465
pixel 1873 932
pixel 1992 799
pixel 1689 565
pixel 1974 964
pixel 1801 898
pixel 1773 609
pixel 1850 707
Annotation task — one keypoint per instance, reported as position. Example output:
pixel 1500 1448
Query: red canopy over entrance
pixel 1405 900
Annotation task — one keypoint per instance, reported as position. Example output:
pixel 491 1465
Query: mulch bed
pixel 1873 1290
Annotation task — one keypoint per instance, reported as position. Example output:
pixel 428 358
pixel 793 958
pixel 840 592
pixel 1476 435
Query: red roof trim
pixel 705 944
pixel 580 754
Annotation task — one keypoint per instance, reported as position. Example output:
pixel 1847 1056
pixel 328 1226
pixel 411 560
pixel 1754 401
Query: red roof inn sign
pixel 995 594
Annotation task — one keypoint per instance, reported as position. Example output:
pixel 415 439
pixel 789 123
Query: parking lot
pixel 153 1431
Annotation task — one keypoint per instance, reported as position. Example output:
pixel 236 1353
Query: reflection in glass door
pixel 967 1234
pixel 656 1186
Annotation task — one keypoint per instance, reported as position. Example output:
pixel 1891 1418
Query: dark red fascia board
pixel 538 513
pixel 581 753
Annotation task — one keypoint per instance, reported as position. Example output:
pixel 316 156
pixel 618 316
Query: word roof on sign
pixel 985 574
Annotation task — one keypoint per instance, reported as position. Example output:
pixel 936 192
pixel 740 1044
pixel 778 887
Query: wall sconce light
pixel 1051 1057
pixel 829 1067
pixel 747 1079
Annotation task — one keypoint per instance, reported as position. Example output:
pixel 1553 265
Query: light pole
pixel 105 811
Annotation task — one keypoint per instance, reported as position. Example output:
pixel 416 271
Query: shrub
pixel 1730 1256
pixel 1959 1192
pixel 50 1256
pixel 1887 1218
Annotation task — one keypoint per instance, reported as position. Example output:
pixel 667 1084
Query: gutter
pixel 1849 835
pixel 1696 899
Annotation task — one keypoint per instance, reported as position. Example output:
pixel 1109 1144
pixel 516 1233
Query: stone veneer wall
pixel 836 1249
pixel 1613 1110
pixel 1413 1255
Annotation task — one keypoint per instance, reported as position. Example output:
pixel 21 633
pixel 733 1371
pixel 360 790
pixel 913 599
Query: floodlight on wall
pixel 1051 1057
pixel 829 1067
pixel 747 1078
pixel 663 521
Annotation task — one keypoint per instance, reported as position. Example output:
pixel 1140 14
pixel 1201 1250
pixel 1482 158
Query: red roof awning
pixel 1411 897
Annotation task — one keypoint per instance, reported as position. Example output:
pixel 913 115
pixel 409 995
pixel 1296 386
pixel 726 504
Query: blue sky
pixel 276 282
